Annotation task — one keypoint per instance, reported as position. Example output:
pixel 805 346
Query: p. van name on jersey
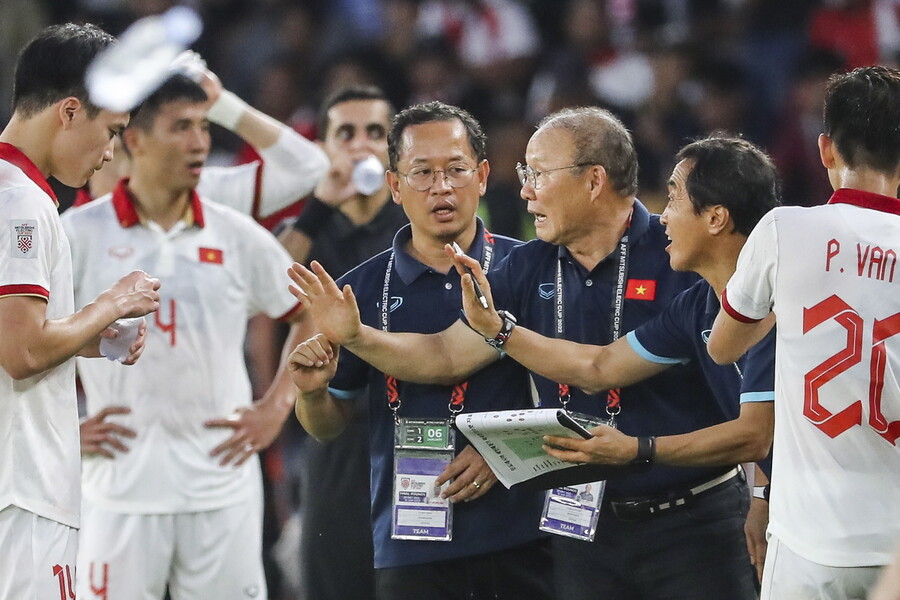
pixel 872 262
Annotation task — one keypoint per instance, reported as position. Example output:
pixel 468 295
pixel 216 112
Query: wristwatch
pixel 761 492
pixel 509 323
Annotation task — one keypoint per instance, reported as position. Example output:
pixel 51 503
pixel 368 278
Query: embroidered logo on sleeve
pixel 24 238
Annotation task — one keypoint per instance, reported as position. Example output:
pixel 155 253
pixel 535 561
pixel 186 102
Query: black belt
pixel 643 508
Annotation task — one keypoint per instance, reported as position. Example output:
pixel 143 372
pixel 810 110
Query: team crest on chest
pixel 24 238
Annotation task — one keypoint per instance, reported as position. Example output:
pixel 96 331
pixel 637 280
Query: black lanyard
pixel 458 395
pixel 613 400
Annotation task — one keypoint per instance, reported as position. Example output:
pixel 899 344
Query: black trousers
pixel 697 552
pixel 521 572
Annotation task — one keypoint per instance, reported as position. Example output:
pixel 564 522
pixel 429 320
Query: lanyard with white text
pixel 613 405
pixel 458 395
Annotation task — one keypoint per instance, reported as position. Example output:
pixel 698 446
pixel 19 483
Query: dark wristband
pixel 313 217
pixel 646 451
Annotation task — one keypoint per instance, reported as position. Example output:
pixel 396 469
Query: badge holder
pixel 422 450
pixel 573 511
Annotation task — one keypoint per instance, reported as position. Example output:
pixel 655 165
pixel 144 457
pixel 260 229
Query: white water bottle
pixel 368 175
pixel 124 74
pixel 117 348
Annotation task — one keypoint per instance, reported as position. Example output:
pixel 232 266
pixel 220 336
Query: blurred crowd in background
pixel 673 70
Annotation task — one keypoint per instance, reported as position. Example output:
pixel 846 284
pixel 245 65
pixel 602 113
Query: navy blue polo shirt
pixel 425 301
pixel 679 335
pixel 673 402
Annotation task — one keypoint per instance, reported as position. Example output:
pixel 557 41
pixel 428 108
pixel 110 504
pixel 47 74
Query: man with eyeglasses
pixel 598 270
pixel 441 530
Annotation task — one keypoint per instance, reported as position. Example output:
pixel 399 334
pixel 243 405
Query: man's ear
pixel 482 172
pixel 393 181
pixel 598 179
pixel 826 151
pixel 131 138
pixel 719 220
pixel 67 110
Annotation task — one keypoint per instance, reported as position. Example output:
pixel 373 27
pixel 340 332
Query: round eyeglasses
pixel 422 178
pixel 526 173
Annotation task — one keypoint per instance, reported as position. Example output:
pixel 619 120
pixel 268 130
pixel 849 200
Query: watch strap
pixel 506 328
pixel 761 492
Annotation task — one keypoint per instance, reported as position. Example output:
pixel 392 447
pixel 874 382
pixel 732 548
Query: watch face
pixel 506 316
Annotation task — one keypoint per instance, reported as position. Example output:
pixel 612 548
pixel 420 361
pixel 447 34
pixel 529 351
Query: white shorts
pixel 789 576
pixel 203 555
pixel 38 557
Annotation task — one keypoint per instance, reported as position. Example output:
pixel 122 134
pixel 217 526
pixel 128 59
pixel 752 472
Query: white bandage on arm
pixel 227 110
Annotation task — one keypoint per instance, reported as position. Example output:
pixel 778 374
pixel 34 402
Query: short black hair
pixel 732 172
pixel 51 67
pixel 600 139
pixel 862 117
pixel 176 88
pixel 431 112
pixel 348 94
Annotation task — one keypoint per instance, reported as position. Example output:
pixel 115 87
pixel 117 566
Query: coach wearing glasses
pixel 490 548
pixel 598 270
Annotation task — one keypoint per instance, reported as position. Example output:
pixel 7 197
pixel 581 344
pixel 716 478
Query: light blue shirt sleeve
pixel 757 397
pixel 649 356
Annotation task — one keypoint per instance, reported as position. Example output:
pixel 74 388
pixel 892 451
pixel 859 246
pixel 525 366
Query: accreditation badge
pixel 422 450
pixel 573 511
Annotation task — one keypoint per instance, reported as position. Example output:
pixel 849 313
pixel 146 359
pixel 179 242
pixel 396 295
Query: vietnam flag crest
pixel 641 289
pixel 211 255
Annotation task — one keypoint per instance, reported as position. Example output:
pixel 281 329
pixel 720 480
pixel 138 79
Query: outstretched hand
pixel 485 321
pixel 334 311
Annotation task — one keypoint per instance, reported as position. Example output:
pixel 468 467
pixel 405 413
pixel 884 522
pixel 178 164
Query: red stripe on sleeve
pixel 24 290
pixel 734 314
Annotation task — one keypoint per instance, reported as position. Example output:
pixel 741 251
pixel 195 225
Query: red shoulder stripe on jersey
pixel 14 156
pixel 862 199
pixel 289 314
pixel 24 290
pixel 734 314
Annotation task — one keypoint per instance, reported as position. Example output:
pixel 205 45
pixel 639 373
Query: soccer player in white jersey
pixel 55 131
pixel 830 276
pixel 183 507
pixel 290 168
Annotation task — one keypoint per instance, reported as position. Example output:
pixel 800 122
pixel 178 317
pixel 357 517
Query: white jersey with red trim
pixel 830 274
pixel 217 268
pixel 39 449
